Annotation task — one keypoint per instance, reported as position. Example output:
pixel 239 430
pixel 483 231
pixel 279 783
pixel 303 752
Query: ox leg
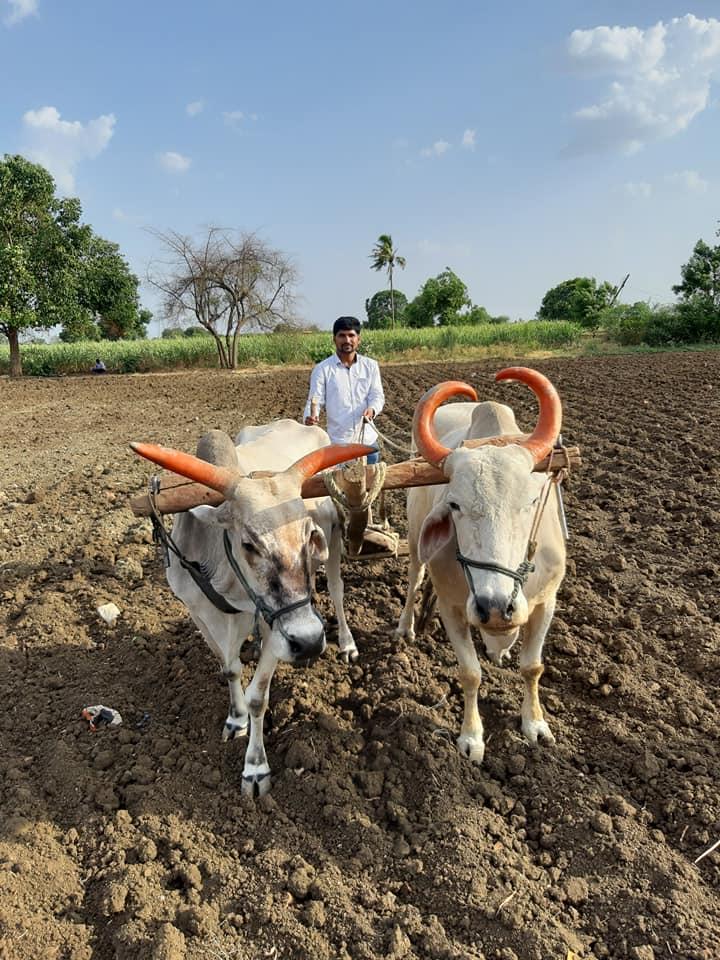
pixel 236 723
pixel 471 742
pixel 534 725
pixel 416 572
pixel 225 636
pixel 256 772
pixel 336 589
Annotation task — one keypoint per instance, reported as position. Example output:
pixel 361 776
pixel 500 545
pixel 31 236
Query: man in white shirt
pixel 349 387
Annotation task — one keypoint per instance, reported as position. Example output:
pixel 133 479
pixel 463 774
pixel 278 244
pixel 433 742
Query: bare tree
pixel 229 282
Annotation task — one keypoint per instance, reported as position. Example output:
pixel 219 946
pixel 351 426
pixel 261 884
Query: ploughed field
pixel 378 840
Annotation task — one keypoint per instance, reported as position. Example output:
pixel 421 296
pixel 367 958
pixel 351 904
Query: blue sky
pixel 520 145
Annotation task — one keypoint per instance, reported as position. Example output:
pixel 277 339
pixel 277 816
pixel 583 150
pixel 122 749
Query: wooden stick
pixel 178 494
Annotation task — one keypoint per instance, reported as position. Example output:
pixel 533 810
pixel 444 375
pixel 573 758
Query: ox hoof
pixel 350 655
pixel 404 633
pixel 537 732
pixel 471 746
pixel 234 727
pixel 255 784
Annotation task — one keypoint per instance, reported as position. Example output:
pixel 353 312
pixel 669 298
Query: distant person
pixel 349 387
pixel 99 367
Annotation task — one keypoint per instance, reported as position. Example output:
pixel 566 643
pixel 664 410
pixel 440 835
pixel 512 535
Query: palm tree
pixel 385 258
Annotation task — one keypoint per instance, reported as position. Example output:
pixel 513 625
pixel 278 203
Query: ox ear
pixel 437 532
pixel 213 516
pixel 318 545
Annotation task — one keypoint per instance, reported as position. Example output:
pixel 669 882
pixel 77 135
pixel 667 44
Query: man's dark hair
pixel 346 323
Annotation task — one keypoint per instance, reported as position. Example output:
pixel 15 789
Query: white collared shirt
pixel 346 393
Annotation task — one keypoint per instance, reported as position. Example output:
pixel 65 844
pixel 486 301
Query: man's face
pixel 346 342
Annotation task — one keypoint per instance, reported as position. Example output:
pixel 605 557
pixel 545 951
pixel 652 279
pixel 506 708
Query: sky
pixel 518 145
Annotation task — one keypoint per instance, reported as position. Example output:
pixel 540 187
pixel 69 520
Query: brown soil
pixel 378 840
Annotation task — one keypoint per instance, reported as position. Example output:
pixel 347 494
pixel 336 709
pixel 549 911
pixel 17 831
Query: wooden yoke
pixel 177 494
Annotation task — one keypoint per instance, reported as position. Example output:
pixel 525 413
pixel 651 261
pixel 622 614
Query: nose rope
pixel 261 607
pixel 520 575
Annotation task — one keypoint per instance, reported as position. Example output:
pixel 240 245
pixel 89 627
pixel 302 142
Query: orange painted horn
pixel 549 424
pixel 428 444
pixel 325 457
pixel 218 478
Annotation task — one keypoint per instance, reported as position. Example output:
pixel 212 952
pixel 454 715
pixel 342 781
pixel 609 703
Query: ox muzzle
pixel 495 610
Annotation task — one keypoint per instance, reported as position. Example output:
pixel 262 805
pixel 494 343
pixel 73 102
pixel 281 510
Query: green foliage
pixel 693 321
pixel 107 291
pixel 379 309
pixel 40 236
pixel 476 315
pixel 580 300
pixel 701 275
pixel 473 317
pixel 79 327
pixel 628 323
pixel 55 270
pixel 439 301
pixel 123 356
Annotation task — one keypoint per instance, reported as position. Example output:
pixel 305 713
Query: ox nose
pixel 486 606
pixel 306 649
pixel 483 606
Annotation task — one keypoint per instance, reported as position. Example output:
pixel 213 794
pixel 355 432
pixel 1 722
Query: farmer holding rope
pixel 348 385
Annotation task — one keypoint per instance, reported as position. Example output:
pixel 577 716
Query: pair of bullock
pixel 491 539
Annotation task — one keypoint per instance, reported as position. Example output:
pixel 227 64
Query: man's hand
pixel 369 414
pixel 312 421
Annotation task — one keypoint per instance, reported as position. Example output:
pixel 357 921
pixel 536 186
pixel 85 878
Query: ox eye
pixel 453 505
pixel 249 547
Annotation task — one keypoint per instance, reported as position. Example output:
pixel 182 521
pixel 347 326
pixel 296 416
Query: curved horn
pixel 423 430
pixel 543 437
pixel 325 457
pixel 218 478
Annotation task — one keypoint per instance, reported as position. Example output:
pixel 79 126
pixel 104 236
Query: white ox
pixel 259 551
pixel 474 535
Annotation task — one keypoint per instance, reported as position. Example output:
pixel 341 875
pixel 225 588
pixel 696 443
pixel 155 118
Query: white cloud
pixel 689 180
pixel 642 189
pixel 174 162
pixel 659 80
pixel 468 140
pixel 19 9
pixel 233 117
pixel 194 108
pixel 436 150
pixel 60 145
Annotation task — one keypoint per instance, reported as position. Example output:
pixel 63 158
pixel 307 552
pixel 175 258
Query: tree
pixel 384 257
pixel 701 275
pixel 109 291
pixel 228 283
pixel 439 301
pixel 379 309
pixel 580 300
pixel 39 239
pixel 108 305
